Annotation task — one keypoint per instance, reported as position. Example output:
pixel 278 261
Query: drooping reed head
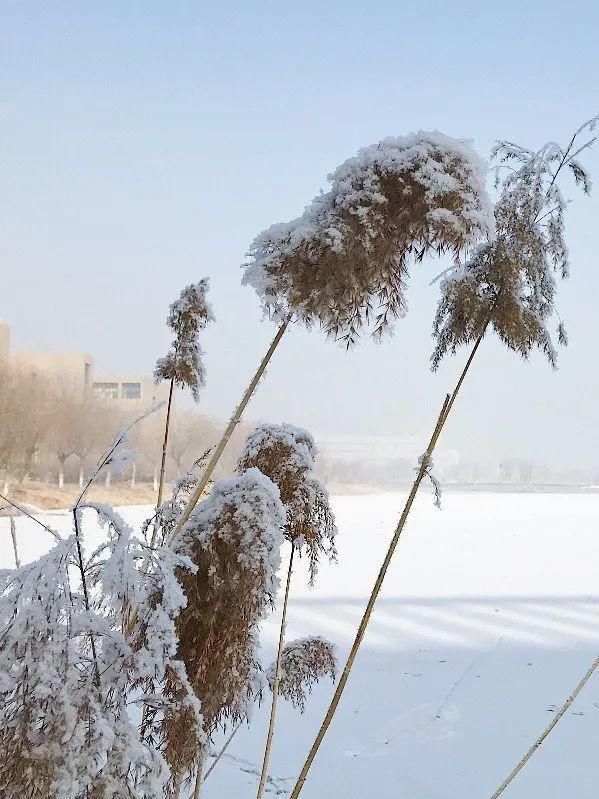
pixel 286 454
pixel 303 663
pixel 343 264
pixel 189 314
pixel 510 283
pixel 234 539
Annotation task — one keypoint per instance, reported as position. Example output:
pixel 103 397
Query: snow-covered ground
pixel 488 618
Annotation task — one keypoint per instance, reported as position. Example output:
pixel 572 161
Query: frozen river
pixel 488 618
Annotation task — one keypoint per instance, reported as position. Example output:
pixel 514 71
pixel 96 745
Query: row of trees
pixel 48 433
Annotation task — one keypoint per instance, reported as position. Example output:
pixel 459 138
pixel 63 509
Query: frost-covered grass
pixel 488 618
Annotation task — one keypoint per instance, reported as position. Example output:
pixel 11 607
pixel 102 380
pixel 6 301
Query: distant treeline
pixel 51 434
pixel 55 435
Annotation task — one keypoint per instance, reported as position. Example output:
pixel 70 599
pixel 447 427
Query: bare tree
pixel 190 433
pixel 62 438
pixel 25 403
pixel 89 431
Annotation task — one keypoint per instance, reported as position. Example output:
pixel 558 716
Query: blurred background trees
pixel 53 435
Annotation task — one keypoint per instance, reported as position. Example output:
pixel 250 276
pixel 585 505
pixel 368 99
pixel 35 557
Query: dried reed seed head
pixel 286 454
pixel 234 539
pixel 490 287
pixel 189 314
pixel 182 740
pixel 343 264
pixel 22 772
pixel 303 663
pixel 172 718
pixel 510 283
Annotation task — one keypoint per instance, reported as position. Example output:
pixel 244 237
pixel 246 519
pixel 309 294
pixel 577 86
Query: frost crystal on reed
pixel 189 314
pixel 344 262
pixel 426 461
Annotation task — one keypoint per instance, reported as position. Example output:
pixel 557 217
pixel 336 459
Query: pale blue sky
pixel 143 144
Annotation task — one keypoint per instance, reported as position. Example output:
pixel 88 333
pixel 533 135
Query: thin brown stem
pixel 233 422
pixel 422 471
pixel 129 613
pixel 13 535
pixel 33 518
pixel 467 366
pixel 224 748
pixel 199 778
pixel 554 721
pixel 163 461
pixel 81 565
pixel 276 682
pixel 369 608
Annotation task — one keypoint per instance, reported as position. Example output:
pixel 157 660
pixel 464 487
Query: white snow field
pixel 488 618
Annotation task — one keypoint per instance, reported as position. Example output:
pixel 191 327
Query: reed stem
pixel 233 422
pixel 422 471
pixel 199 779
pixel 13 535
pixel 163 461
pixel 224 748
pixel 275 687
pixel 554 721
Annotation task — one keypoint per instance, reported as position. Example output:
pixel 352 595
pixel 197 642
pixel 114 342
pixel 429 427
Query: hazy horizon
pixel 146 145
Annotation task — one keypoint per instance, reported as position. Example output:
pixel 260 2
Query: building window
pixel 106 390
pixel 131 390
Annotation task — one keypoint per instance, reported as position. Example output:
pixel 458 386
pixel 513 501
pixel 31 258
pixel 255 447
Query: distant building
pixel 129 390
pixel 74 372
pixel 71 370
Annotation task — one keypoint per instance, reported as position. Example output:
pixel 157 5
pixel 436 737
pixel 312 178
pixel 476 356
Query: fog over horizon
pixel 142 152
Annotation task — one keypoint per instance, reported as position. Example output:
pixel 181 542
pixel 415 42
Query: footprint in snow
pixel 426 722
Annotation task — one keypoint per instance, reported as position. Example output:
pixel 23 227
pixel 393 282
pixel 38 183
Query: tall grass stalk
pixel 197 790
pixel 275 691
pixel 13 535
pixel 163 460
pixel 226 436
pixel 286 454
pixel 29 515
pixel 83 575
pixel 223 749
pixel 548 729
pixel 425 462
pixel 183 364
